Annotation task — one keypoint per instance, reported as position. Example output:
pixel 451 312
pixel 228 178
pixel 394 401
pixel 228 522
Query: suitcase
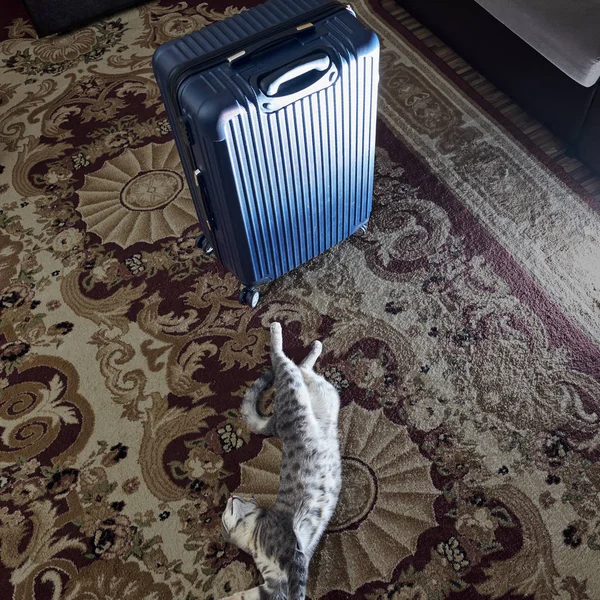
pixel 273 111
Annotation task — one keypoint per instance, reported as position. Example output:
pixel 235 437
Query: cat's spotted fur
pixel 282 539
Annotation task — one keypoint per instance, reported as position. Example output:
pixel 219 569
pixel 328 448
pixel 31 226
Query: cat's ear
pixel 225 534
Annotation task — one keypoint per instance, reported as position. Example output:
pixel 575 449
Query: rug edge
pixel 504 122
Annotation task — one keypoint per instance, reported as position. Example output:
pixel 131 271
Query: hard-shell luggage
pixel 273 111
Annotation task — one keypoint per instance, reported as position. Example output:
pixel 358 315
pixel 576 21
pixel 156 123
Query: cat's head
pixel 239 521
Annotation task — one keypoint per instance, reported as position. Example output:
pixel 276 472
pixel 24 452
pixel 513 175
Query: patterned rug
pixel 462 332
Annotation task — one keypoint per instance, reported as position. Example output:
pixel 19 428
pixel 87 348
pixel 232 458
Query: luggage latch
pixel 205 200
pixel 188 132
pixel 235 56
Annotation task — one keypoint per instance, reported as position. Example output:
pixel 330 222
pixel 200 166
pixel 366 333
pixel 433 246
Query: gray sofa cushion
pixel 57 16
pixel 566 32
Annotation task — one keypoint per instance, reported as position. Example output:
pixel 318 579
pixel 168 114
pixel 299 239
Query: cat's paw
pixel 276 328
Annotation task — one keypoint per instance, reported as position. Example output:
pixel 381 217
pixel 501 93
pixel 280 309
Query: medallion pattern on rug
pixel 469 421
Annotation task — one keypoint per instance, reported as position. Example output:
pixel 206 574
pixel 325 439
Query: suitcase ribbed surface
pixel 305 171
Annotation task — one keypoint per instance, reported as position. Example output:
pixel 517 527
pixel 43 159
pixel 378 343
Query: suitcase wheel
pixel 361 231
pixel 204 244
pixel 250 297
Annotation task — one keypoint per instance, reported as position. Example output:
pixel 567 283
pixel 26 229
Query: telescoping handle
pixel 269 42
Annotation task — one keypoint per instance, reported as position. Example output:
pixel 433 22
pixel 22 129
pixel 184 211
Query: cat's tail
pixel 297 575
pixel 255 421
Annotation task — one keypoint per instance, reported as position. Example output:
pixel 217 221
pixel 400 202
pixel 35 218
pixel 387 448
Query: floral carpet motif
pixel 138 197
pixel 462 333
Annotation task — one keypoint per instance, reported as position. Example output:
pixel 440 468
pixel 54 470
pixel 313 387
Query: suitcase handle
pixel 293 81
pixel 270 84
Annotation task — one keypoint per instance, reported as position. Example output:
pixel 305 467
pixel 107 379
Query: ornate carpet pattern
pixel 462 333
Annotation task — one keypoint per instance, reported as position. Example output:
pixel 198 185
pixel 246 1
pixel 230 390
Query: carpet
pixel 462 333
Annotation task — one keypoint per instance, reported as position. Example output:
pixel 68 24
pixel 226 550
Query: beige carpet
pixel 463 334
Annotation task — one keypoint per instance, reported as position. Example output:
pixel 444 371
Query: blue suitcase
pixel 273 111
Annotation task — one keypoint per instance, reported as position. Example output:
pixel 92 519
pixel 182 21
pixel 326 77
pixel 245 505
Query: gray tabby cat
pixel 282 539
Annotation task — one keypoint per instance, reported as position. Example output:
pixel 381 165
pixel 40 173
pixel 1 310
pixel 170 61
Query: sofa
pixel 545 54
pixel 60 16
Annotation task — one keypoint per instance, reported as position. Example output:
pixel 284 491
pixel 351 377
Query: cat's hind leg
pixel 292 401
pixel 276 341
pixel 284 367
pixel 324 399
pixel 311 358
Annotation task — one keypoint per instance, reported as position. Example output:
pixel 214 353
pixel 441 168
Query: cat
pixel 282 538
